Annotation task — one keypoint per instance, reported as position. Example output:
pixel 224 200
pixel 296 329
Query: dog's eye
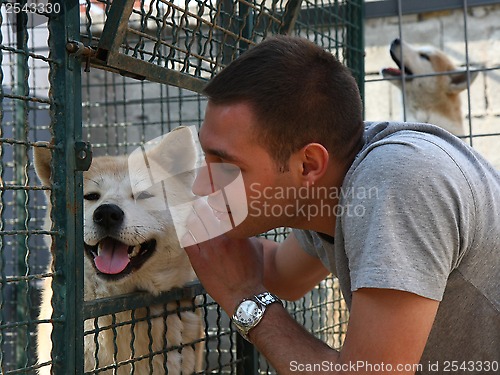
pixel 92 196
pixel 144 195
pixel 425 56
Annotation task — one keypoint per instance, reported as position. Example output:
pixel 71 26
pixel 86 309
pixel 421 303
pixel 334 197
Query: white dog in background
pixel 131 245
pixel 432 99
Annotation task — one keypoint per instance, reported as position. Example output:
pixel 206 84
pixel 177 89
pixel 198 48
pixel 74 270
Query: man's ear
pixel 315 158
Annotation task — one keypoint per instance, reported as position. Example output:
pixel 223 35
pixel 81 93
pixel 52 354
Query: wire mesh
pixel 121 109
pixel 466 34
pixel 194 37
pixel 24 120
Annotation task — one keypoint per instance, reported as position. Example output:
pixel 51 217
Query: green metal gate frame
pixel 70 156
pixel 107 55
pixel 67 201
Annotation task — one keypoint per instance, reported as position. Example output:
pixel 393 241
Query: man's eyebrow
pixel 223 155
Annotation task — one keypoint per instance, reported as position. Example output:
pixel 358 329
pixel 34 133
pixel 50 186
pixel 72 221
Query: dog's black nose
pixel 108 215
pixel 396 42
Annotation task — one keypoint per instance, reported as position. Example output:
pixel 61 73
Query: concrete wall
pixel 445 30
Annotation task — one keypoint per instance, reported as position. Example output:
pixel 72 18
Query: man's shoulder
pixel 393 132
pixel 401 156
pixel 414 151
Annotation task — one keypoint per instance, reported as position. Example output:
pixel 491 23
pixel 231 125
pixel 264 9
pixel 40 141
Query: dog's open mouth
pixel 115 259
pixel 394 72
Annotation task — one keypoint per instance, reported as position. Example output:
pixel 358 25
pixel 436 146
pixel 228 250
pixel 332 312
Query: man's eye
pixel 229 168
pixel 92 196
pixel 144 195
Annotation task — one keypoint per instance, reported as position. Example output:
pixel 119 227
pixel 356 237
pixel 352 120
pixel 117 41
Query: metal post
pixel 66 195
pixel 246 354
pixel 246 24
pixel 355 58
pixel 20 159
pixel 292 11
pixel 229 44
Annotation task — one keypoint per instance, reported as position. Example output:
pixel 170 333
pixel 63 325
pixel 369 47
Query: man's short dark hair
pixel 299 94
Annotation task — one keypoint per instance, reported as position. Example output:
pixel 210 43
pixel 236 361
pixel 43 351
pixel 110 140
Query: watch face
pixel 248 312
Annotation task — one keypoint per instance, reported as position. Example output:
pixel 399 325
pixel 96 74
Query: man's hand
pixel 239 268
pixel 229 269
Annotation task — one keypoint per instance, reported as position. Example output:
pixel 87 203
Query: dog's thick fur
pixel 433 99
pixel 112 213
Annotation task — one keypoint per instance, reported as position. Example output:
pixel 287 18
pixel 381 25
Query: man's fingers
pixel 201 224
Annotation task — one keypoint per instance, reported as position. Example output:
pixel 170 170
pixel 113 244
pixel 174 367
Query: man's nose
pixel 214 177
pixel 203 183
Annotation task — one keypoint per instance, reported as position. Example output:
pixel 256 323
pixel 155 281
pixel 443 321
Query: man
pixel 405 215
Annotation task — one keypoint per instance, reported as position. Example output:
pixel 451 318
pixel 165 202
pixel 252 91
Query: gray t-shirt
pixel 420 212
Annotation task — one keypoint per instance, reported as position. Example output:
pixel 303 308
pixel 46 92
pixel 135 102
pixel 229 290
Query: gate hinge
pixel 83 153
pixel 78 49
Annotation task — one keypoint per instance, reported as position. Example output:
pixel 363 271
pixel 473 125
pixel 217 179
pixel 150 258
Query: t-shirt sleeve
pixel 313 245
pixel 403 218
pixel 306 242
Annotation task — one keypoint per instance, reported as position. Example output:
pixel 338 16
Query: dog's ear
pixel 459 81
pixel 42 158
pixel 176 152
pixel 167 156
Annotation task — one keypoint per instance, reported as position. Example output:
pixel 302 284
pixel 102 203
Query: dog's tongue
pixel 392 71
pixel 113 256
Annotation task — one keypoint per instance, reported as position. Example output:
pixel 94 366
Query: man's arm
pixel 385 327
pixel 289 272
pixel 388 326
pixel 233 269
pixel 387 333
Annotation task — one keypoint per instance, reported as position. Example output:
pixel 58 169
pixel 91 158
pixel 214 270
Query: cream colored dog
pixel 432 99
pixel 131 245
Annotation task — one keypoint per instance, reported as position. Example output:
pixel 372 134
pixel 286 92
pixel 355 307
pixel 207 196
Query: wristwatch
pixel 250 312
